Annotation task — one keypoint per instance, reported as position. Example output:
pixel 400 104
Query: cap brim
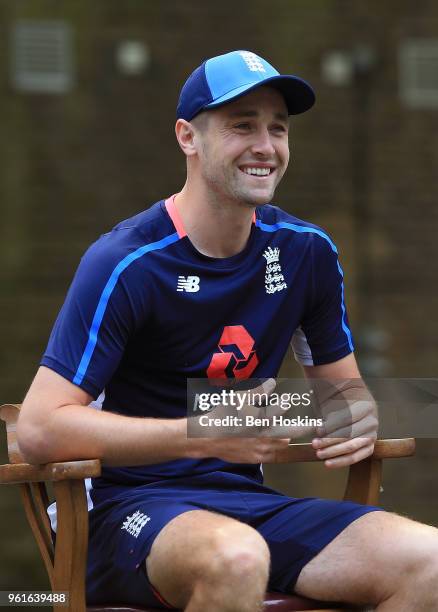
pixel 298 94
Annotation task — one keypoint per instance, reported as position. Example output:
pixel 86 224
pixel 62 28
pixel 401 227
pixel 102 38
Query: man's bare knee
pixel 239 553
pixel 199 550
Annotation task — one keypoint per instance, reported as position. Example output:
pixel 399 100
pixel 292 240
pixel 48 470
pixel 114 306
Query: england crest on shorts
pixel 135 523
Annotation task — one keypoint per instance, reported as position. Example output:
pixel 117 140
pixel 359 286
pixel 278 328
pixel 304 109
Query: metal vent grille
pixel 42 56
pixel 419 73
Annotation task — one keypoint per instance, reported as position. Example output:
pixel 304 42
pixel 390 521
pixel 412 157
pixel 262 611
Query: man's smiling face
pixel 243 147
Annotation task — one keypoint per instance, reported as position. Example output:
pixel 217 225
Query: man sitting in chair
pixel 216 282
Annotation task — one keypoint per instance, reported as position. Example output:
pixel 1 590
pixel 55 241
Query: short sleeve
pixel 324 335
pixel 105 304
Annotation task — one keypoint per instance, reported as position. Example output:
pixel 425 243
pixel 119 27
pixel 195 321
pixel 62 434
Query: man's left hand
pixel 348 435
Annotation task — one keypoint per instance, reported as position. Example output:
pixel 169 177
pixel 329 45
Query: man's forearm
pixel 81 432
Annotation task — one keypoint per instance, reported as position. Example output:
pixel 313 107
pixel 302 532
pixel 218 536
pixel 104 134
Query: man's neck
pixel 216 228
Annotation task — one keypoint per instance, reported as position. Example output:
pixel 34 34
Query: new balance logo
pixel 252 61
pixel 190 284
pixel 135 523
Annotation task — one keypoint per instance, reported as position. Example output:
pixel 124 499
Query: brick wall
pixel 84 160
pixel 74 165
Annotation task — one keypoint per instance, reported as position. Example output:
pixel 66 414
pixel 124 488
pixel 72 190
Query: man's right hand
pixel 243 443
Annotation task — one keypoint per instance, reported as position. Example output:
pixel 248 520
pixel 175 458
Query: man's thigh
pixel 365 562
pixel 187 549
pixel 298 529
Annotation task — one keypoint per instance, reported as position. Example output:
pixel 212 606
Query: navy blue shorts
pixel 124 527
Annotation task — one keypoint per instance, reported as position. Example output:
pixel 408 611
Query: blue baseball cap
pixel 226 77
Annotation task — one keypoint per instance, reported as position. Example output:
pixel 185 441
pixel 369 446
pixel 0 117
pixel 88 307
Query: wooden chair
pixel 66 561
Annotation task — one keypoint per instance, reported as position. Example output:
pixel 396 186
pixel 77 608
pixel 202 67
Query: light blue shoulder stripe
pixel 105 296
pixel 302 229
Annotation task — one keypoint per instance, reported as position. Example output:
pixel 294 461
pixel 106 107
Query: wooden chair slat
pixel 364 482
pixel 41 502
pixel 71 542
pixel 42 489
pixel 45 547
pixel 80 547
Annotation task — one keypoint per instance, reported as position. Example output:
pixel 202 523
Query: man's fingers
pixel 367 427
pixel 245 415
pixel 269 385
pixel 350 459
pixel 260 395
pixel 256 414
pixel 345 447
pixel 291 431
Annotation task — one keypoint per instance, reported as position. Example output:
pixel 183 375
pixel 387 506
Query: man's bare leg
pixel 205 561
pixel 381 559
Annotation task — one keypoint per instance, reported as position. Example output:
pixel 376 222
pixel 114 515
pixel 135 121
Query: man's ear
pixel 185 134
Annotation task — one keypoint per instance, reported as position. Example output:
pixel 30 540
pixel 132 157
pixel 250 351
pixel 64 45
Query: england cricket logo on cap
pixel 252 61
pixel 274 279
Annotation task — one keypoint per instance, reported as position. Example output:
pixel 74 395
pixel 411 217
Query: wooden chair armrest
pixel 364 478
pixel 384 449
pixel 19 473
pixel 394 448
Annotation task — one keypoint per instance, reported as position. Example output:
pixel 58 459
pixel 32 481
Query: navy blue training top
pixel 146 311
